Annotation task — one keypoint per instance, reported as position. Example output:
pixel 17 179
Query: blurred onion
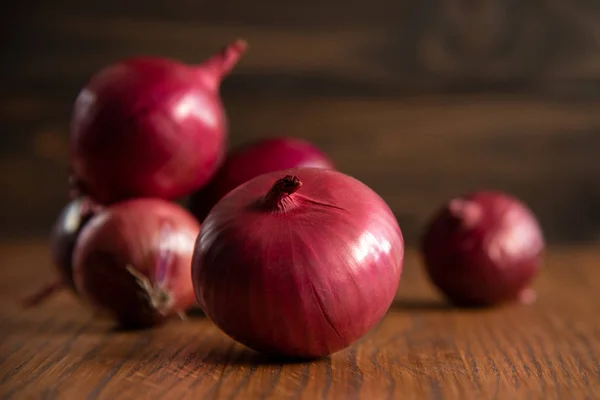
pixel 483 248
pixel 150 127
pixel 133 261
pixel 252 160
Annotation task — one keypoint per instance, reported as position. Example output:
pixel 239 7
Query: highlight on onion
pixel 483 248
pixel 151 127
pixel 132 261
pixel 252 160
pixel 298 263
pixel 65 232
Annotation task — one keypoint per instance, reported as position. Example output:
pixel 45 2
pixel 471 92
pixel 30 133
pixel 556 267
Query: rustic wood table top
pixel 422 349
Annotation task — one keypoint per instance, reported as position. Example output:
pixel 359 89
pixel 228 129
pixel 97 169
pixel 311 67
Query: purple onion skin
pixel 132 262
pixel 66 230
pixel 255 159
pixel 483 249
pixel 151 127
pixel 301 266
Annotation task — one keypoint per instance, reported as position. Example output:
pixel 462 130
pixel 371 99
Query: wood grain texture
pixel 422 348
pixel 545 45
pixel 422 100
pixel 415 152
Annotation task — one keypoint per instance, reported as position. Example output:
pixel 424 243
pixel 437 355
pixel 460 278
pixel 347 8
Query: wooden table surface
pixel 422 349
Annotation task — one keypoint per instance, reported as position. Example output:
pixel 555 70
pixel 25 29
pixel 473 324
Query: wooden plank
pixel 546 46
pixel 420 99
pixel 422 349
pixel 416 152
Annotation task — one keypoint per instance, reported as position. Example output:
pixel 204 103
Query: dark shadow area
pixel 421 305
pixel 428 305
pixel 125 326
pixel 239 355
pixel 469 305
pixel 130 328
pixel 144 350
pixel 196 312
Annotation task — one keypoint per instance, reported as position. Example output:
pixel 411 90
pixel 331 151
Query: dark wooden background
pixel 420 99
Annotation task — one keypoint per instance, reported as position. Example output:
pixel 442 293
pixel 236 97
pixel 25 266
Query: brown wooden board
pixel 422 349
pixel 421 100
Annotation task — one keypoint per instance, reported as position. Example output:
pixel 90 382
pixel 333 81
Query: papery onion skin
pixel 132 261
pixel 254 159
pixel 151 127
pixel 298 269
pixel 484 248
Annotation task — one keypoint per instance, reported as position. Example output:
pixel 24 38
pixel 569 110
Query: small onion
pixel 66 230
pixel 150 126
pixel 298 263
pixel 252 160
pixel 483 248
pixel 133 261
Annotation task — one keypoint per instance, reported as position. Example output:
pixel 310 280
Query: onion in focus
pixel 133 261
pixel 151 126
pixel 252 160
pixel 484 248
pixel 298 263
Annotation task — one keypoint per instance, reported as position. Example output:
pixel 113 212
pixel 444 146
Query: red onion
pixel 298 263
pixel 66 229
pixel 151 126
pixel 252 160
pixel 133 261
pixel 483 248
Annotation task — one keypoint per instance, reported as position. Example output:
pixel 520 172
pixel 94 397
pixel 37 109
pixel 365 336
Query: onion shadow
pixel 421 305
pixel 240 355
pixel 195 313
pixel 436 305
pixel 124 327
